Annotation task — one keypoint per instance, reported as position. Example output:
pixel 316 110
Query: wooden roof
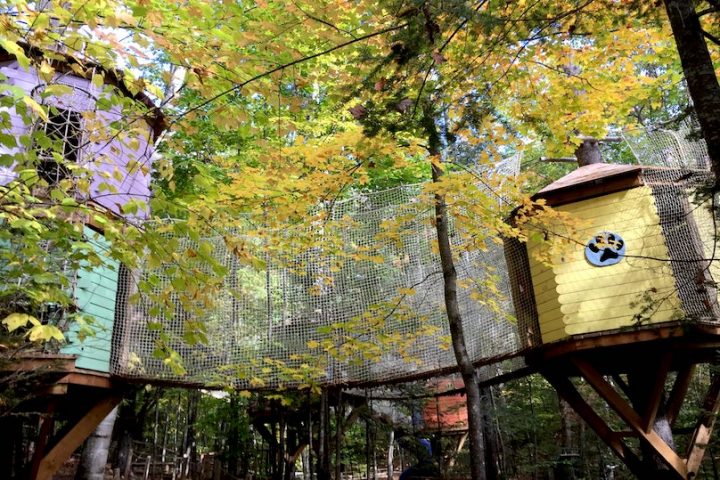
pixel 590 181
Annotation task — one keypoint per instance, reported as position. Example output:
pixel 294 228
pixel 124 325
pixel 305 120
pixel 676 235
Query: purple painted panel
pixel 116 147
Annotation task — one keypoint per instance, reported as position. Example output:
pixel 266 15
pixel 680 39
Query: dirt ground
pixel 67 471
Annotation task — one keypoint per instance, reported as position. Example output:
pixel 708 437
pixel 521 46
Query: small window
pixel 63 134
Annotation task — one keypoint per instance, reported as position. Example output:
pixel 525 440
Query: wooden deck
pixel 54 386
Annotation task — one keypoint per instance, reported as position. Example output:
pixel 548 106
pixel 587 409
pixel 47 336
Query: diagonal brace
pixel 631 417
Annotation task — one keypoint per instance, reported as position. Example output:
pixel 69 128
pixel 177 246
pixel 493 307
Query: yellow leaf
pixel 47 72
pixel 17 320
pixel 36 107
pixel 43 333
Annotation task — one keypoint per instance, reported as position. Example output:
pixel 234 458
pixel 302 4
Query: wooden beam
pixel 74 435
pixel 678 392
pixel 42 439
pixel 41 364
pixel 656 394
pixel 53 390
pixel 709 338
pixel 87 379
pixel 612 439
pixel 703 430
pixel 631 417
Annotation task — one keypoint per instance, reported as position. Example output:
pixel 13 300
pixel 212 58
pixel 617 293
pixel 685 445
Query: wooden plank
pixel 608 273
pixel 634 194
pixel 613 291
pixel 42 439
pixel 584 283
pixel 50 364
pixel 604 187
pixel 96 296
pixel 678 392
pixel 621 212
pixel 74 435
pixel 631 417
pixel 87 379
pixel 584 327
pixel 602 304
pixel 704 427
pixel 625 337
pixel 574 264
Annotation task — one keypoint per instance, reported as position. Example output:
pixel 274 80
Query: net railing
pixel 679 147
pixel 353 297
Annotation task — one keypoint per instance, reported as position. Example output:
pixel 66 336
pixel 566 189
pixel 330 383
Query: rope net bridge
pixel 353 298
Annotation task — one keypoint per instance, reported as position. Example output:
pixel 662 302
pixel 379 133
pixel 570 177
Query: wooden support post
pixel 703 430
pixel 678 392
pixel 655 396
pixel 45 430
pixel 631 417
pixel 614 440
pixel 74 435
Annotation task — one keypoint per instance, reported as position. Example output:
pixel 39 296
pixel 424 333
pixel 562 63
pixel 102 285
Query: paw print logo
pixel 604 249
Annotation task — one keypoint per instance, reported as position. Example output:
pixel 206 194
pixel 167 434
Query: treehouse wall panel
pixel 116 141
pixel 95 295
pixel 575 297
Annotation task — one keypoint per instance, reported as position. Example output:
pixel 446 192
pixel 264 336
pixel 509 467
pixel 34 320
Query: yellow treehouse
pixel 642 255
pixel 631 308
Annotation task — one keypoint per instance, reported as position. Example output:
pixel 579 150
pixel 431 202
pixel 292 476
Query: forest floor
pixel 67 471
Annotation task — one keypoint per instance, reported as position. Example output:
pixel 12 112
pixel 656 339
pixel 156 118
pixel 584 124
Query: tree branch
pixel 711 37
pixel 266 73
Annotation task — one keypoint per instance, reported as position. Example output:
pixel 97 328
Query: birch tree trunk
pixel 467 370
pixel 95 454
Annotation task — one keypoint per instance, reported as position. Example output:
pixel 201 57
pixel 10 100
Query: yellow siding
pixel 574 297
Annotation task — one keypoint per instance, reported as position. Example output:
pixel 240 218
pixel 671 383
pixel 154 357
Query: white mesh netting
pixel 356 298
pixel 681 147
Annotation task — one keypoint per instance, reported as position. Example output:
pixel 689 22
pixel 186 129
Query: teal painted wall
pixel 95 295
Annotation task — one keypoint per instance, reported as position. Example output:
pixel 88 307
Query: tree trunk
pixel 95 454
pixel 490 434
pixel 190 444
pixel 323 460
pixel 390 452
pixel 305 455
pixel 640 385
pixel 233 436
pixel 339 417
pixel 699 74
pixel 564 469
pixel 467 370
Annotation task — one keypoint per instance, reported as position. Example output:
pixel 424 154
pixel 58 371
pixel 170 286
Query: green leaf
pixel 57 90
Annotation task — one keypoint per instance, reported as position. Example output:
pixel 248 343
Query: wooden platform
pixel 629 371
pixel 54 386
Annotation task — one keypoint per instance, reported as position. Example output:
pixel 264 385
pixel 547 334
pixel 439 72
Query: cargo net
pixel 681 147
pixel 688 217
pixel 353 298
